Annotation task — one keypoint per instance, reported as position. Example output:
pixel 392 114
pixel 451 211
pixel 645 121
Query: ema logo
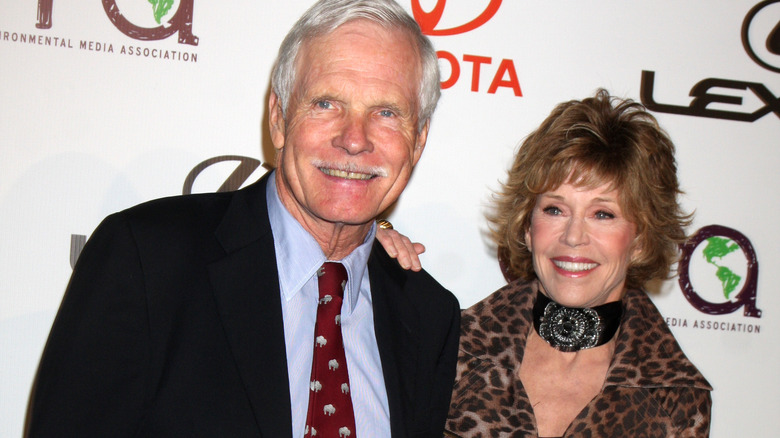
pixel 761 39
pixel 503 76
pixel 722 264
pixel 429 20
pixel 149 21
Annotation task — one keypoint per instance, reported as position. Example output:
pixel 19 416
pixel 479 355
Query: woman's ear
pixel 636 251
pixel 528 240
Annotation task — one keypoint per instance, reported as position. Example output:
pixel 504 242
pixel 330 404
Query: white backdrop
pixel 88 127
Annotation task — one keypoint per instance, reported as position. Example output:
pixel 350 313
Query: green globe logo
pixel 160 8
pixel 730 269
pixel 715 251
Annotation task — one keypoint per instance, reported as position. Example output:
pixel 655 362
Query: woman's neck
pixel 560 384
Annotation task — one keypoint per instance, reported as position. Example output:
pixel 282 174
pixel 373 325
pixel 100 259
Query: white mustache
pixel 350 170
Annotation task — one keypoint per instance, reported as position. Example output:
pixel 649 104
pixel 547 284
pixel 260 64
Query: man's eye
pixel 604 215
pixel 324 104
pixel 552 211
pixel 386 113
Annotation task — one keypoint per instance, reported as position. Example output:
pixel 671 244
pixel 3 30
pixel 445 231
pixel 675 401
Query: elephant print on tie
pixel 330 404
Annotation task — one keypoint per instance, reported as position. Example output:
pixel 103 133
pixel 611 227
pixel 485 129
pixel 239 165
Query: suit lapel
pixel 246 289
pixel 396 325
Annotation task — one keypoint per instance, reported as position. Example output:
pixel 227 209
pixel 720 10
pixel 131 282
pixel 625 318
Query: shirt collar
pixel 299 256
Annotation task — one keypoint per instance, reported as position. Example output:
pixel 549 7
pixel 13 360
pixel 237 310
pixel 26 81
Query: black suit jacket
pixel 171 326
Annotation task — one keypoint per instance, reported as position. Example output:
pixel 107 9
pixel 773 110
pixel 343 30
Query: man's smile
pixel 350 171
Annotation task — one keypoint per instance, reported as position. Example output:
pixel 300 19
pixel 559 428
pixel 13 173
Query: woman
pixel 573 347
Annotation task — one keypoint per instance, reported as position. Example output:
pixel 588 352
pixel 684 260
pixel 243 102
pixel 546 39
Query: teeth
pixel 573 266
pixel 346 175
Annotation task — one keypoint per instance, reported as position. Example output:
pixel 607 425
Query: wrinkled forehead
pixel 363 55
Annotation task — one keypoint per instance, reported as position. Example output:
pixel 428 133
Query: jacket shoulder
pixel 421 285
pixel 175 210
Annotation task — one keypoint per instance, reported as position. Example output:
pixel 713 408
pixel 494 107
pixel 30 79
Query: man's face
pixel 349 141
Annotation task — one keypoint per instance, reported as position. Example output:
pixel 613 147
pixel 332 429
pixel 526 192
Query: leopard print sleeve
pixel 689 409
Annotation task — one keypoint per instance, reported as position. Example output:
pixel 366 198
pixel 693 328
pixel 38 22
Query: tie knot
pixel 332 278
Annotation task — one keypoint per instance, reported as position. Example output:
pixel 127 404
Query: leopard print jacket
pixel 651 389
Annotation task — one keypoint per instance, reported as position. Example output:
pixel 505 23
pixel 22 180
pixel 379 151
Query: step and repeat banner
pixel 106 104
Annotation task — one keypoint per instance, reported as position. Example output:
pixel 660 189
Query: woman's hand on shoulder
pixel 401 248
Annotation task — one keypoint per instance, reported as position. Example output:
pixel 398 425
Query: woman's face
pixel 581 243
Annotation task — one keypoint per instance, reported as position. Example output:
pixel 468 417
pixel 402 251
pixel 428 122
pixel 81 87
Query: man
pixel 195 316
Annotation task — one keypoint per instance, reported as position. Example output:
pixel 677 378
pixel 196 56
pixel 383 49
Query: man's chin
pixel 350 221
pixel 356 219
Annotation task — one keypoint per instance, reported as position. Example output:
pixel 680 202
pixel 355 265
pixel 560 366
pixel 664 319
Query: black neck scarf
pixel 572 329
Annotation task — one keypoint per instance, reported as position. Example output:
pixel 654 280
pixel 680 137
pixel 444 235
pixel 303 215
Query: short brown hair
pixel 599 140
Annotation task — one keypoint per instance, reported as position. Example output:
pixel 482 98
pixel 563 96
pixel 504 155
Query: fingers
pixel 402 248
pixel 408 254
pixel 385 237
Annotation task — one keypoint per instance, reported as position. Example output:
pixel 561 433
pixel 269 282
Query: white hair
pixel 325 16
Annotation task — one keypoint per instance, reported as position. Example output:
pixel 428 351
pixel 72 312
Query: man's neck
pixel 336 239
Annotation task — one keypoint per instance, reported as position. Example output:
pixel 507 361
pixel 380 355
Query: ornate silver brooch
pixel 571 329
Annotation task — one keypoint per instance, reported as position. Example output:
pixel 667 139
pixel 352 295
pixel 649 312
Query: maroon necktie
pixel 330 404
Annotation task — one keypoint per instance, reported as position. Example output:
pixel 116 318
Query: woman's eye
pixel 604 215
pixel 553 211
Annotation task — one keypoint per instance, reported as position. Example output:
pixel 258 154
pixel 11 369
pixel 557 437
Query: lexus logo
pixel 238 177
pixel 761 34
pixel 430 20
pixel 235 171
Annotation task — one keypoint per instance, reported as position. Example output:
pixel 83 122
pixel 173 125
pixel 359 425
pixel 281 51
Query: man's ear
pixel 276 121
pixel 422 138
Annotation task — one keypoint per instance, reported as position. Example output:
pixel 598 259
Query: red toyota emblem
pixel 429 20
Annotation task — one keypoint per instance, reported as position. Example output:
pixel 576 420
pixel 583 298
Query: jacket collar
pixel 246 289
pixel 662 364
pixel 396 322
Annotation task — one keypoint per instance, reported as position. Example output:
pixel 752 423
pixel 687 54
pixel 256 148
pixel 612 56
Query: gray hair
pixel 325 16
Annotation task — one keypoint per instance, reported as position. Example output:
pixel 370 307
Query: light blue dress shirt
pixel 298 257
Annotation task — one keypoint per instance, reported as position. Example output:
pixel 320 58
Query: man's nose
pixel 354 135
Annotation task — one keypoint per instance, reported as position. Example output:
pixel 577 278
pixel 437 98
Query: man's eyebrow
pixel 391 106
pixel 320 97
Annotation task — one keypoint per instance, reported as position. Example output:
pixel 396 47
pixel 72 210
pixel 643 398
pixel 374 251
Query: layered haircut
pixel 599 140
pixel 325 16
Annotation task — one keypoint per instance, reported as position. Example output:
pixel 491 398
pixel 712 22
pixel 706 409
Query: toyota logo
pixel 429 20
